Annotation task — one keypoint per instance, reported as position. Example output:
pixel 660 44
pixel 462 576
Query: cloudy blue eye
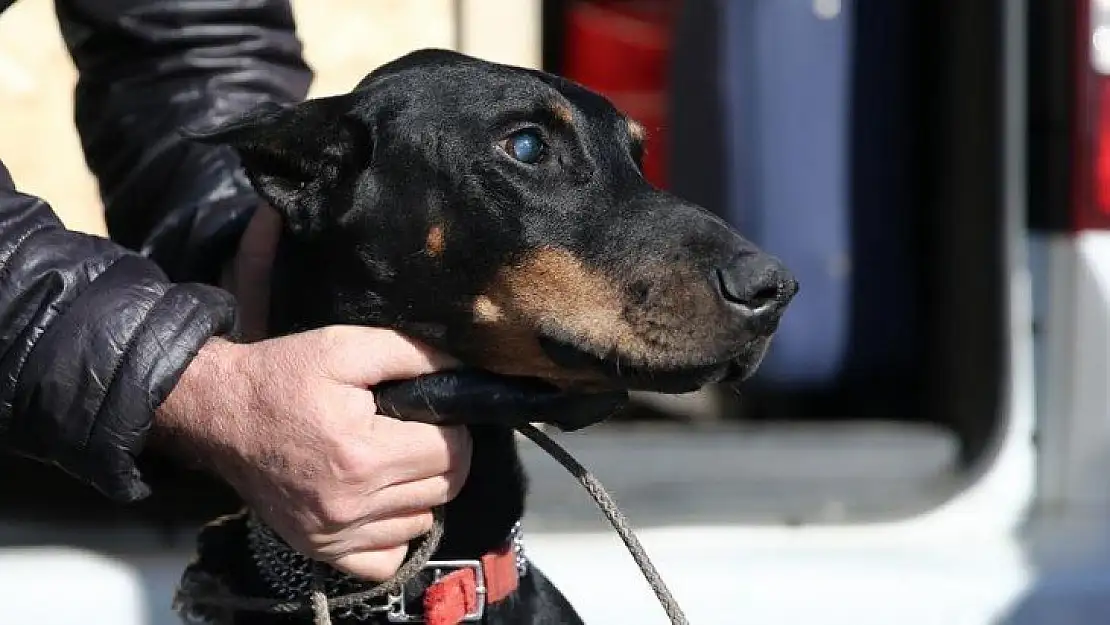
pixel 525 146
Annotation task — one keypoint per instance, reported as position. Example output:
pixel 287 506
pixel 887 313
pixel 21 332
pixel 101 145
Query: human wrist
pixel 187 422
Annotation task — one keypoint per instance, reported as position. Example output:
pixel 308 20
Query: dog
pixel 499 214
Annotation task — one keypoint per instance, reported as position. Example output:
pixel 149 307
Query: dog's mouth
pixel 598 389
pixel 679 378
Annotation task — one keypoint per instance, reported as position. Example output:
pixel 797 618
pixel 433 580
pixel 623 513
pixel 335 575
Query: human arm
pixel 146 69
pixel 92 339
pixel 97 348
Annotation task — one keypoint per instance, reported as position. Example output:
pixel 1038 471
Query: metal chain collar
pixel 289 575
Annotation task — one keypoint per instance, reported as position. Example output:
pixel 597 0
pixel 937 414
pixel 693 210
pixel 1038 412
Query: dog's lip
pixel 676 380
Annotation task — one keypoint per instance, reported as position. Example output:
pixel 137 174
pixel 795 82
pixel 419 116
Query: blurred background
pixel 931 170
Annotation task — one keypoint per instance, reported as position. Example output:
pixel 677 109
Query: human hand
pixel 290 424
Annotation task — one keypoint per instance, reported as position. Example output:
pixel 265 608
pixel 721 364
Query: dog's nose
pixel 758 286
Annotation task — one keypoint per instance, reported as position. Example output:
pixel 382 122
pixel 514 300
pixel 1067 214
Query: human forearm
pixel 92 339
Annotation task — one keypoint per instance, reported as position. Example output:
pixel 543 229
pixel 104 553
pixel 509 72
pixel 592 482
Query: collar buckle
pixel 398 610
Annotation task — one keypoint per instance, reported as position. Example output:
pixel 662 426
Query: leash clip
pixel 398 612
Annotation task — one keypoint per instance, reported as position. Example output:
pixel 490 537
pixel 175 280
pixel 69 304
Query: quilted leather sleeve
pixel 148 68
pixel 95 333
pixel 92 339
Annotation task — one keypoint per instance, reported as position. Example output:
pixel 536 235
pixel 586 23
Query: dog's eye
pixel 525 146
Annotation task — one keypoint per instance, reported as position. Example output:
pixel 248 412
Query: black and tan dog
pixel 499 214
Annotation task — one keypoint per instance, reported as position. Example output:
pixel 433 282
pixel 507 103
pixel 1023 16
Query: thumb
pixel 374 566
pixel 363 357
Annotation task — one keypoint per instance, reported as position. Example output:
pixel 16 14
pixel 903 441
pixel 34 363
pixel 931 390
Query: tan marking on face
pixel 512 348
pixel 434 244
pixel 485 311
pixel 552 290
pixel 552 293
pixel 637 131
pixel 563 113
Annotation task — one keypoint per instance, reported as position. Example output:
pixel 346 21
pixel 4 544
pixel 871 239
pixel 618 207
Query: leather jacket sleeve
pixel 148 68
pixel 95 333
pixel 92 339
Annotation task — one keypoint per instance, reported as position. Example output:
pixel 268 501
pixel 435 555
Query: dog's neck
pixel 480 519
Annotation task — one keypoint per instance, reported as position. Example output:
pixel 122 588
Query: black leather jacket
pixel 95 333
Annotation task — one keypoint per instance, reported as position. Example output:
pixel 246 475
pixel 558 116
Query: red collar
pixel 469 589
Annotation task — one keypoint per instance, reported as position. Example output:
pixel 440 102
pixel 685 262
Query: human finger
pixel 373 565
pixel 363 356
pixel 408 452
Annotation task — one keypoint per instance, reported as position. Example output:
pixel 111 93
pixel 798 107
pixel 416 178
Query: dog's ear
pixel 294 154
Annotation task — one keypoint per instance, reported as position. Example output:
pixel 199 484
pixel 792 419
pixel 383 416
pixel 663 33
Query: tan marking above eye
pixel 434 243
pixel 562 112
pixel 637 131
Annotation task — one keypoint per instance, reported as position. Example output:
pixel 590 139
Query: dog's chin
pixel 676 379
pixel 744 365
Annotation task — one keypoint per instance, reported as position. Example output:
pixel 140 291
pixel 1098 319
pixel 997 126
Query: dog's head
pixel 500 214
